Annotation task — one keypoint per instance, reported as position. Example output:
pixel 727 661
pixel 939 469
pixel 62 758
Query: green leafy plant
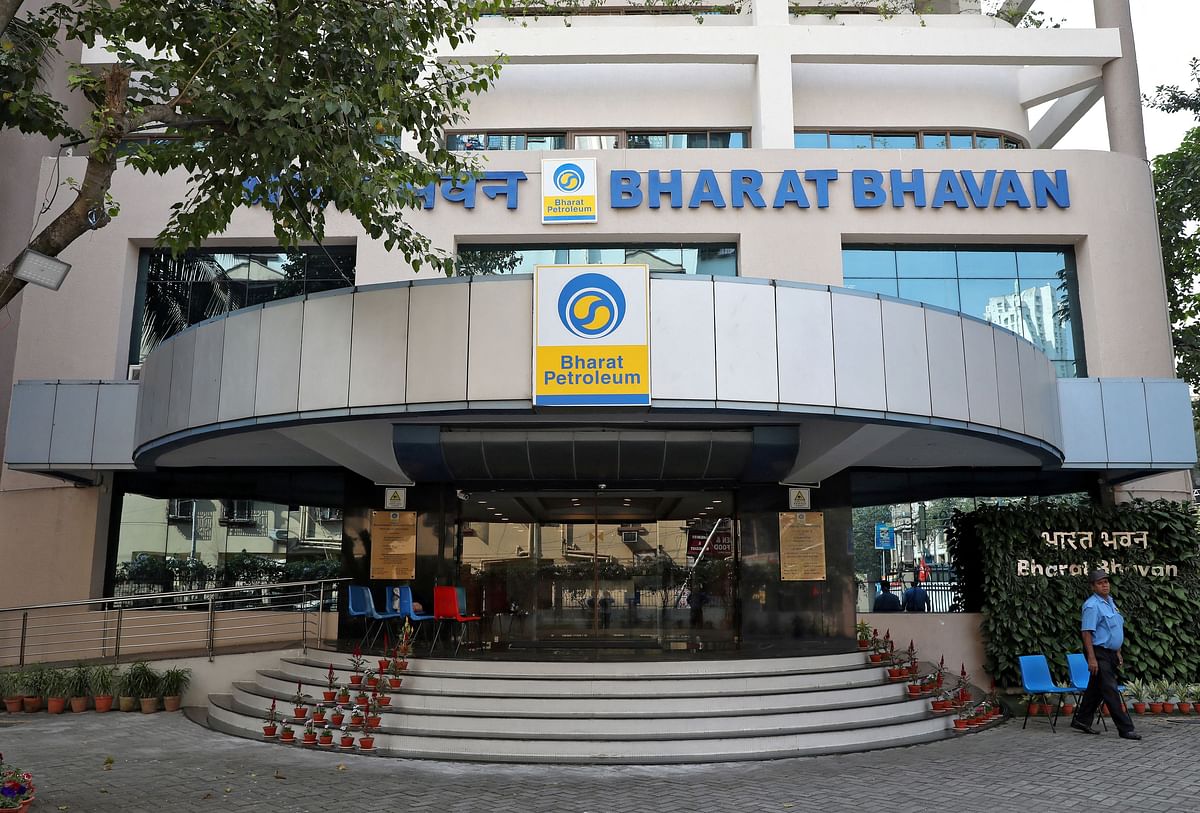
pixel 9 684
pixel 141 681
pixel 1136 690
pixel 55 682
pixel 77 681
pixel 174 681
pixel 33 680
pixel 102 679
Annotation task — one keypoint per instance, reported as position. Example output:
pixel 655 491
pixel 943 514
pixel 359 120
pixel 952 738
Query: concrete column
pixel 1122 93
pixel 773 124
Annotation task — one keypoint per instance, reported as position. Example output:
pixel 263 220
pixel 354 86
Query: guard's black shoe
pixel 1130 735
pixel 1079 725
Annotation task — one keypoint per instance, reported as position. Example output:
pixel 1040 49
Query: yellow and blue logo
pixel 569 191
pixel 568 178
pixel 591 306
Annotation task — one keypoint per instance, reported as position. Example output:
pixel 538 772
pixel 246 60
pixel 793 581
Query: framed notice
pixel 802 546
pixel 394 545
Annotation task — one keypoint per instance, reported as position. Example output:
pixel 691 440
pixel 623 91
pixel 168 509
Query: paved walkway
pixel 167 764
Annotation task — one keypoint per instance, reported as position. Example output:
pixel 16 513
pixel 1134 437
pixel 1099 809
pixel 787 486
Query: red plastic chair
pixel 446 608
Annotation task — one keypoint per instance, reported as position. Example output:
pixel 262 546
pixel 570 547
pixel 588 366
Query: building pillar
pixel 773 125
pixel 1122 93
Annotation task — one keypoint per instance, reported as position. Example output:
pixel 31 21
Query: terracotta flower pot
pixel 325 739
pixel 149 705
pixel 336 718
pixel 1139 707
pixel 1156 708
pixel 366 743
pixel 287 736
pixel 355 679
pixel 403 666
pixel 372 682
pixel 960 724
pixel 384 663
pixel 128 703
pixel 318 715
pixel 172 702
pixel 876 657
pixel 269 730
pixel 863 644
pixel 56 705
pixel 914 690
pixel 347 741
pixel 394 683
pixel 1068 708
pixel 310 738
pixel 329 696
pixel 1035 709
pixel 343 698
pixel 374 721
pixel 300 712
pixel 385 700
pixel 1168 708
pixel 79 704
pixel 356 719
pixel 31 704
pixel 104 702
pixel 12 704
pixel 1185 708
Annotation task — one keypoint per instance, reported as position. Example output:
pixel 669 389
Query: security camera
pixel 463 495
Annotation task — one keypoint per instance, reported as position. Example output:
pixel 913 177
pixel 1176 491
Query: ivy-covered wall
pixel 1025 568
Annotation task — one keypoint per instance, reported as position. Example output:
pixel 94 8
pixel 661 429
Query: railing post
pixel 24 631
pixel 212 622
pixel 321 618
pixel 304 620
pixel 117 644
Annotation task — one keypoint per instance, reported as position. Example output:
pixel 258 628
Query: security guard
pixel 1103 633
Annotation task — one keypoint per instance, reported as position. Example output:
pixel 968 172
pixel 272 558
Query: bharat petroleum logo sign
pixel 591 306
pixel 568 178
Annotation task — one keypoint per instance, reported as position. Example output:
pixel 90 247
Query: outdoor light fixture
pixel 37 268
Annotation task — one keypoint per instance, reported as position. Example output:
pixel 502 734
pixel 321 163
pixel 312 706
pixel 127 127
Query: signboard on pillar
pixel 802 546
pixel 394 545
pixel 591 335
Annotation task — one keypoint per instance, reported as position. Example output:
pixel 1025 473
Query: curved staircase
pixel 640 712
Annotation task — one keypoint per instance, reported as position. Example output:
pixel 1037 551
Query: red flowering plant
pixel 16 786
pixel 357 661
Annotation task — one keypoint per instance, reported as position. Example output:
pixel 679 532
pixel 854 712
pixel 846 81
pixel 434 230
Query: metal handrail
pixel 105 634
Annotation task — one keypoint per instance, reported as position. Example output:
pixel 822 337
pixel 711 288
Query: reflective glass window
pixel 940 292
pixel 1011 144
pixel 934 141
pixel 850 141
pixel 987 263
pixel 546 142
pixel 596 142
pixel 962 141
pixel 1041 263
pixel 723 139
pixel 926 263
pixel 506 141
pixel 983 142
pixel 874 285
pixel 895 141
pixel 692 140
pixel 995 300
pixel 868 262
pixel 810 141
pixel 719 259
pixel 466 141
pixel 646 141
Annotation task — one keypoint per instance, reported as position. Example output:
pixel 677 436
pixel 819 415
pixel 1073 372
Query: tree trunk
pixel 89 210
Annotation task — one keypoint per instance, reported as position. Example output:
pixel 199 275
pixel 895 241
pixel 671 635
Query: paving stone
pixel 164 763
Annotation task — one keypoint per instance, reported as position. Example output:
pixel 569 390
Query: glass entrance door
pixel 617 570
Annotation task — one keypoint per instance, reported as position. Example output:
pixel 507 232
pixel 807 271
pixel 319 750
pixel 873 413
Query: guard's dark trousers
pixel 1103 686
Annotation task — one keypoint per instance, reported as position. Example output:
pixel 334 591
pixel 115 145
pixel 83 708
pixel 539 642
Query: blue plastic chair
pixel 1036 680
pixel 1080 676
pixel 362 605
pixel 402 602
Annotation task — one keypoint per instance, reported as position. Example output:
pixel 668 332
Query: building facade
pixel 863 275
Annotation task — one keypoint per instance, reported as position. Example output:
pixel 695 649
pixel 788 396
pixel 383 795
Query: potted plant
pixel 940 674
pixel 55 690
pixel 101 680
pixel 337 716
pixel 1156 691
pixel 862 631
pixel 77 683
pixel 386 660
pixel 10 691
pixel 1187 697
pixel 343 695
pixel 964 686
pixel 310 733
pixel 126 701
pixel 347 739
pixel 878 647
pixel 366 742
pixel 356 717
pixel 400 658
pixel 371 679
pixel 271 721
pixel 142 682
pixel 318 714
pixel 911 658
pixel 172 685
pixel 287 733
pixel 1136 691
pixel 330 692
pixel 356 665
pixel 396 668
pixel 373 715
pixel 963 718
pixel 18 788
pixel 298 703
pixel 326 736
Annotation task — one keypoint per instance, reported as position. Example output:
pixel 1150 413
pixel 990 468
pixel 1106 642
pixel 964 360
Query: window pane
pixel 646 141
pixel 1041 263
pixel 1047 317
pixel 466 141
pixel 940 264
pixel 960 141
pixel 850 141
pixel 724 139
pixel 878 286
pixel 858 262
pixel 940 292
pixel 995 300
pixel 546 142
pixel 987 142
pixel 934 141
pixel 987 263
pixel 595 142
pixel 506 141
pixel 810 141
pixel 697 141
pixel 895 141
pixel 677 141
pixel 1012 144
pixel 716 261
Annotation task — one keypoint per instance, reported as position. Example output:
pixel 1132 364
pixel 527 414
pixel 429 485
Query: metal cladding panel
pixel 947 366
pixel 30 423
pixel 905 361
pixel 206 373
pixel 858 352
pixel 325 352
pixel 683 343
pixel 379 347
pixel 1038 391
pixel 1169 413
pixel 437 343
pixel 983 396
pixel 155 387
pixel 747 365
pixel 239 365
pixel 74 424
pixel 1125 423
pixel 804 322
pixel 1008 382
pixel 500 351
pixel 1082 412
pixel 278 386
pixel 116 411
pixel 180 406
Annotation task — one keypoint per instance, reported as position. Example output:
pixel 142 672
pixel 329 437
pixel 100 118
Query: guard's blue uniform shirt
pixel 1103 620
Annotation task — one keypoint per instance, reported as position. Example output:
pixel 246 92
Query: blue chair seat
pixel 1036 680
pixel 1081 676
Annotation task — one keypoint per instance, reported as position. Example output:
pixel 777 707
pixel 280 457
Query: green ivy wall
pixel 1030 614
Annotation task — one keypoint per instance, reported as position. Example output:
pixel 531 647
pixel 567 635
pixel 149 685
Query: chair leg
pixel 1057 711
pixel 436 634
pixel 1026 721
pixel 458 638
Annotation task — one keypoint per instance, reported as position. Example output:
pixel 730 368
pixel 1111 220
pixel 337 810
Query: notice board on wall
pixel 802 546
pixel 394 545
